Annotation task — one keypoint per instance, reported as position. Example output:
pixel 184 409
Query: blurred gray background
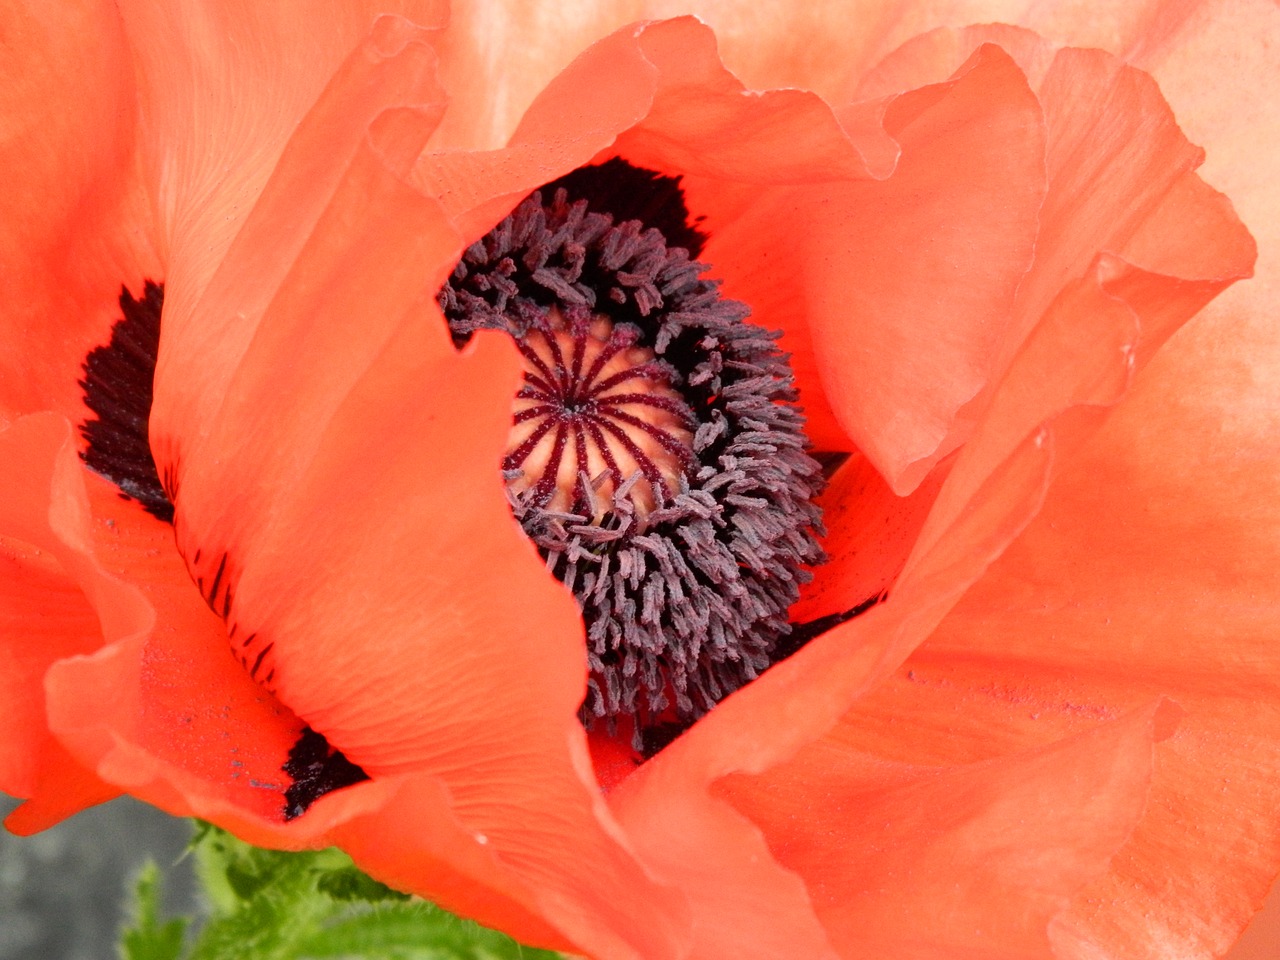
pixel 63 892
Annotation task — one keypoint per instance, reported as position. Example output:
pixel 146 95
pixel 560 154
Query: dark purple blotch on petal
pixel 117 384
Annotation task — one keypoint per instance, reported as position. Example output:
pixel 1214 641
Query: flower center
pixel 596 413
pixel 656 458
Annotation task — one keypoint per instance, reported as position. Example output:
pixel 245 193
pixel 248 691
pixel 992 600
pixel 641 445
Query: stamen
pixel 655 455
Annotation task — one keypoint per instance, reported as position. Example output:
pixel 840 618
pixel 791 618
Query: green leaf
pixel 270 905
pixel 263 901
pixel 353 885
pixel 414 930
pixel 147 938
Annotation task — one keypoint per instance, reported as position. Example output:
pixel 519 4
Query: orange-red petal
pixel 959 860
pixel 897 294
pixel 222 85
pixel 42 522
pixel 1143 576
pixel 76 223
pixel 169 703
pixel 384 625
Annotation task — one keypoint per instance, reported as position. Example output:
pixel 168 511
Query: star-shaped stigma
pixel 598 416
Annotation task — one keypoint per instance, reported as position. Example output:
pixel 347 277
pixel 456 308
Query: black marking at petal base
pixel 686 602
pixel 316 768
pixel 658 736
pixel 627 192
pixel 117 384
pixel 802 633
pixel 831 461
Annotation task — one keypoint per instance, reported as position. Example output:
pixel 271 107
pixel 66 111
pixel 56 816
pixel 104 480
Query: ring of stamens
pixel 595 410
pixel 656 458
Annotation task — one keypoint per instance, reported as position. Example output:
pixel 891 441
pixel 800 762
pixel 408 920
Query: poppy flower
pixel 1030 713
